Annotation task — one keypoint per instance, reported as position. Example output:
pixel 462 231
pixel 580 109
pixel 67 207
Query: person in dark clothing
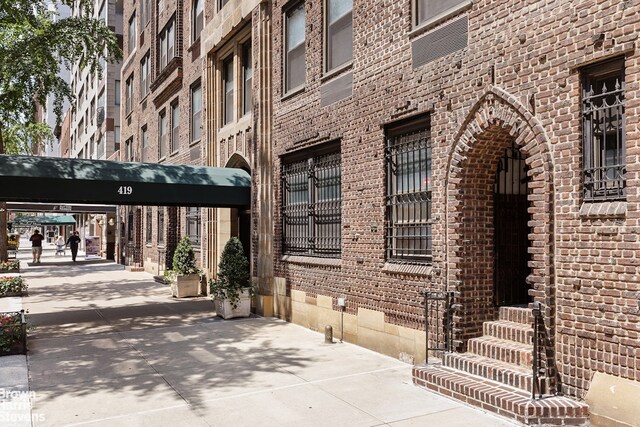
pixel 36 245
pixel 73 241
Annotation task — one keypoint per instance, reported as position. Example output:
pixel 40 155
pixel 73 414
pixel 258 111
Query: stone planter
pixel 225 310
pixel 186 286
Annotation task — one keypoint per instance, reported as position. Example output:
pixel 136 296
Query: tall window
pixel 166 41
pixel 197 20
pixel 144 137
pixel 129 95
pixel 160 225
pixel 312 203
pixel 175 127
pixel 339 33
pixel 116 138
pixel 196 112
pixel 603 120
pixel 227 101
pixel 128 150
pixel 408 200
pixel 247 78
pixel 149 225
pixel 145 12
pixel 145 75
pixel 425 10
pixel 116 88
pixel 132 32
pixel 193 225
pixel 294 45
pixel 162 135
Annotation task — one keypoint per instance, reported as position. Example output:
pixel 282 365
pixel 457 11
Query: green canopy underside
pixel 44 220
pixel 60 180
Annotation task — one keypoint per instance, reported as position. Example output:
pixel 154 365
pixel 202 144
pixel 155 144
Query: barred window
pixel 193 225
pixel 603 119
pixel 160 225
pixel 149 226
pixel 311 205
pixel 408 200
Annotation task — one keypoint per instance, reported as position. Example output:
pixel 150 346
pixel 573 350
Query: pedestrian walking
pixel 73 241
pixel 36 245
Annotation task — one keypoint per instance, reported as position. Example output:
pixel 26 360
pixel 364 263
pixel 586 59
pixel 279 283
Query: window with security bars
pixel 193 225
pixel 603 119
pixel 311 206
pixel 408 199
pixel 149 226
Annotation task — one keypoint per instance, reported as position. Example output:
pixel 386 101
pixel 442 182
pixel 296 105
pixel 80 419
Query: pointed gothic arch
pixel 496 120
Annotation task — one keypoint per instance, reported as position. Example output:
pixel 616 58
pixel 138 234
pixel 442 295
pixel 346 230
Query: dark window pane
pixel 228 91
pixel 175 127
pixel 196 113
pixel 247 74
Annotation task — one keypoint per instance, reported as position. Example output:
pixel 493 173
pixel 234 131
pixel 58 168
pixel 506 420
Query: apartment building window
pixel 116 138
pixel 197 20
pixel 132 32
pixel 339 33
pixel 222 3
pixel 144 138
pixel 312 203
pixel 149 225
pixel 160 225
pixel 294 59
pixel 193 225
pixel 603 122
pixel 116 88
pixel 92 108
pixel 145 12
pixel 425 10
pixel 408 199
pixel 166 46
pixel 81 127
pixel 129 95
pixel 162 134
pixel 145 75
pixel 196 112
pixel 227 101
pixel 247 78
pixel 175 127
pixel 128 150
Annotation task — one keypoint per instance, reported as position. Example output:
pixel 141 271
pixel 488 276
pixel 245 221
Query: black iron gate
pixel 511 231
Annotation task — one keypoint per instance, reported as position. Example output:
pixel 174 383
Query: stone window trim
pixel 423 270
pixel 312 261
pixel 595 210
pixel 433 22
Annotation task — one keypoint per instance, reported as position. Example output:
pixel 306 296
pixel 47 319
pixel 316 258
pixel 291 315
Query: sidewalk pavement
pixel 112 348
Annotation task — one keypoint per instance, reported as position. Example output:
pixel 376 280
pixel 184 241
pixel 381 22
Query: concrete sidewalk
pixel 112 348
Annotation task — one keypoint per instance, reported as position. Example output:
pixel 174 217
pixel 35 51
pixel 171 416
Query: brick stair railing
pixel 496 375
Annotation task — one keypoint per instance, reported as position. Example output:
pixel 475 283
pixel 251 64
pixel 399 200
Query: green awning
pixel 59 180
pixel 44 220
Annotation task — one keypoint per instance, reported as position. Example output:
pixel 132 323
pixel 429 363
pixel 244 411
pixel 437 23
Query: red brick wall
pixel 584 267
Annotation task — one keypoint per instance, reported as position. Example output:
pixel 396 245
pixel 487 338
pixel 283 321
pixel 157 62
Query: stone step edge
pixel 502 372
pixel 519 404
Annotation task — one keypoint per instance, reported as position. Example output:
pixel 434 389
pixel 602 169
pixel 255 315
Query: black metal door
pixel 511 240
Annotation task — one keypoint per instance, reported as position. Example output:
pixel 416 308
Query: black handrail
pixel 439 305
pixel 538 345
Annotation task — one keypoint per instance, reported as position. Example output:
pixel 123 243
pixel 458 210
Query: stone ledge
pixel 412 269
pixel 616 209
pixel 307 260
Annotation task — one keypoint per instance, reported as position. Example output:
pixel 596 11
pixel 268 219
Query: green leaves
pixel 233 273
pixel 184 259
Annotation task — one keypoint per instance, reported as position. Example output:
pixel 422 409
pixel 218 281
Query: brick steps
pixel 500 398
pixel 501 372
pixel 516 315
pixel 506 351
pixel 506 330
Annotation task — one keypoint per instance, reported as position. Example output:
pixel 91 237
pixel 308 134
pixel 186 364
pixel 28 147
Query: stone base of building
pixel 613 401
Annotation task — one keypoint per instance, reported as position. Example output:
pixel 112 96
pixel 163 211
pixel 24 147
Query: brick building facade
pixel 487 149
pixel 162 114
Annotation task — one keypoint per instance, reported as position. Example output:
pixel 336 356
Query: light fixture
pixel 111 221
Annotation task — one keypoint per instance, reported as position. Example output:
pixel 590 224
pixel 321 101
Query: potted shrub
pixel 10 267
pixel 13 333
pixel 184 276
pixel 12 286
pixel 231 290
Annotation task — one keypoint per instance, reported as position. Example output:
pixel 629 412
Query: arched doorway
pixel 499 139
pixel 511 230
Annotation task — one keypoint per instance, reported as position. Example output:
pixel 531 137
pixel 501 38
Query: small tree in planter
pixel 184 275
pixel 231 291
